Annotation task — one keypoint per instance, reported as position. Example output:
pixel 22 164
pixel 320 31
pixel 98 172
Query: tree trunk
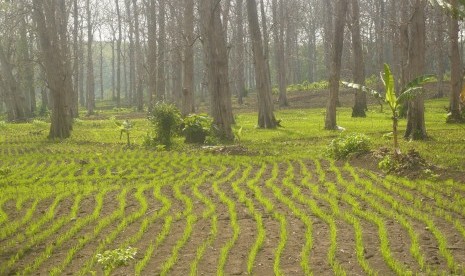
pixel 266 118
pixel 456 71
pixel 131 97
pixel 188 104
pixel 240 82
pixel 118 55
pixel 151 53
pixel 76 54
pixel 14 98
pixel 139 61
pixel 359 65
pixel 440 51
pixel 278 37
pixel 52 36
pixel 161 51
pixel 90 80
pixel 216 59
pixel 336 56
pixel 416 128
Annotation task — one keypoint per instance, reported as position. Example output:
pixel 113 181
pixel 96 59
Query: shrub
pixel 166 120
pixel 196 128
pixel 111 259
pixel 346 145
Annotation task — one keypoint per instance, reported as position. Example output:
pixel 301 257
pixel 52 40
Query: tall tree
pixel 151 51
pixel 118 54
pixel 278 38
pixel 90 79
pixel 188 105
pixel 266 118
pixel 456 77
pixel 51 20
pixel 139 85
pixel 239 51
pixel 215 49
pixel 359 65
pixel 416 128
pixel 336 56
pixel 161 51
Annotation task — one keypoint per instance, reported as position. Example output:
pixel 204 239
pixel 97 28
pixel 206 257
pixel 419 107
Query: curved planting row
pixel 223 215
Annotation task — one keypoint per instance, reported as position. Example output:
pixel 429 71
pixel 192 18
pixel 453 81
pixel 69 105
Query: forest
pixel 232 137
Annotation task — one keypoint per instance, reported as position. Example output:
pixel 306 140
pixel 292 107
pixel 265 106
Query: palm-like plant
pixel 394 101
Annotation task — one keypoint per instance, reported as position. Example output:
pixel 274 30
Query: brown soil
pixel 330 188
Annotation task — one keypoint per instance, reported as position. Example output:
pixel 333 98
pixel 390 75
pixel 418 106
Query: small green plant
pixel 5 171
pixel 387 164
pixel 409 92
pixel 124 127
pixel 111 259
pixel 166 120
pixel 345 145
pixel 196 128
pixel 238 135
pixel 3 125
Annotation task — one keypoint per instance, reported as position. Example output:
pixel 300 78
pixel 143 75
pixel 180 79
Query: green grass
pixel 191 211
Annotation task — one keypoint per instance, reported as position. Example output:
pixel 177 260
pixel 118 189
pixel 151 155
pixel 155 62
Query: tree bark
pixel 118 55
pixel 359 65
pixel 278 37
pixel 53 38
pixel 416 128
pixel 188 104
pixel 240 82
pixel 456 73
pixel 90 80
pixel 151 52
pixel 161 51
pixel 336 56
pixel 266 118
pixel 214 45
pixel 139 60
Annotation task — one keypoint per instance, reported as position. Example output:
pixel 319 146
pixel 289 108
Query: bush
pixel 166 120
pixel 196 128
pixel 346 145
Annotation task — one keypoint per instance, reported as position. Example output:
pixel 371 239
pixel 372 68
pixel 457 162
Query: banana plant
pixel 392 99
pixel 125 127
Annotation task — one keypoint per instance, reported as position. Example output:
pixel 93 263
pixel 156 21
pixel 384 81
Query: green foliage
pixel 39 124
pixel 124 127
pixel 4 172
pixel 111 259
pixel 3 125
pixel 196 128
pixel 166 120
pixel 346 145
pixel 412 90
pixel 387 164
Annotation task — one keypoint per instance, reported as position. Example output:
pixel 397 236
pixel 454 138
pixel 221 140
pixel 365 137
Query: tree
pixel 188 105
pixel 239 51
pixel 359 65
pixel 90 80
pixel 118 55
pixel 161 51
pixel 51 19
pixel 266 118
pixel 216 60
pixel 416 128
pixel 278 38
pixel 456 74
pixel 336 56
pixel 151 52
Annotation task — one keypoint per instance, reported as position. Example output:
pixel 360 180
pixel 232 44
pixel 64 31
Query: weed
pixel 111 259
pixel 346 145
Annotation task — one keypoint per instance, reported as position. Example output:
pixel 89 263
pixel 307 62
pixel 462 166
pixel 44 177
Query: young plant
pixel 196 128
pixel 111 259
pixel 125 127
pixel 394 101
pixel 166 119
